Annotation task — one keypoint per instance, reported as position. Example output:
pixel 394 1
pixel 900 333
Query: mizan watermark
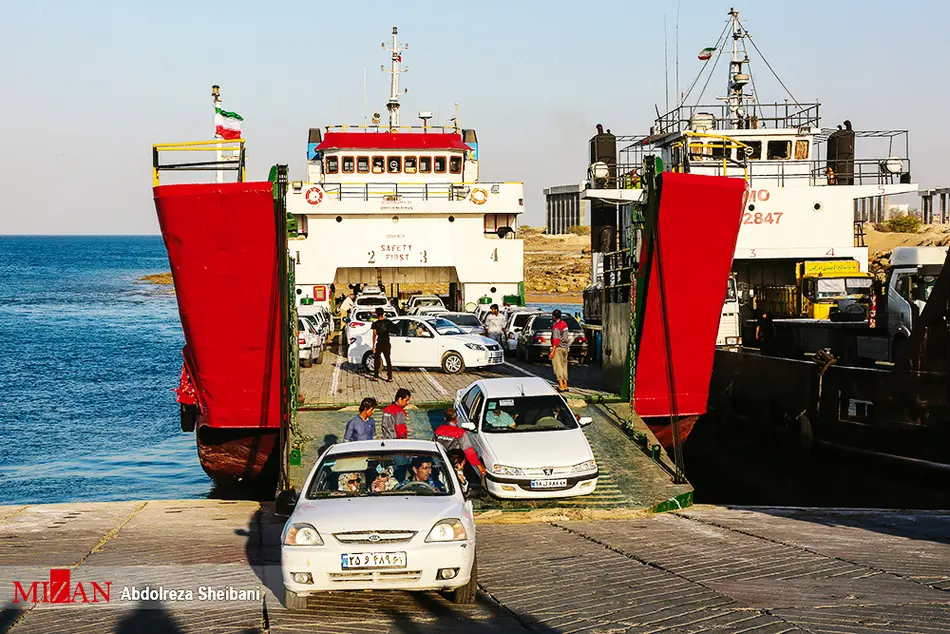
pixel 61 589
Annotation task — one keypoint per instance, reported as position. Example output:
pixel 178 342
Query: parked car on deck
pixel 517 318
pixel 528 438
pixel 467 323
pixel 414 303
pixel 379 515
pixel 428 342
pixel 360 321
pixel 534 341
pixel 309 343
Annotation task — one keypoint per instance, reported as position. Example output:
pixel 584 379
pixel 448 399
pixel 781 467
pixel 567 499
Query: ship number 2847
pixel 759 218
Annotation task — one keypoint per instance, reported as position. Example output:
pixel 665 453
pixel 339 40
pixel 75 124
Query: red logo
pixel 59 589
pixel 314 195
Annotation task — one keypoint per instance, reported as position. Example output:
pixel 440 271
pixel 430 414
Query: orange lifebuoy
pixel 314 195
pixel 479 196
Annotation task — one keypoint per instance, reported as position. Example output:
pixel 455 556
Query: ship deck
pixel 705 569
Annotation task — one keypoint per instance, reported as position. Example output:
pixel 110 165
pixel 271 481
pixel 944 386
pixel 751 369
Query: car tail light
pixel 356 324
pixel 581 340
pixel 540 339
pixel 301 341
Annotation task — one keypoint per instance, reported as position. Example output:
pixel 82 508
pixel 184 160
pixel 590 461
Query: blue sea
pixel 88 359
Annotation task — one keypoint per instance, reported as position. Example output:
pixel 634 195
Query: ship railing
pixel 757 116
pixel 818 172
pixel 405 191
pixel 229 157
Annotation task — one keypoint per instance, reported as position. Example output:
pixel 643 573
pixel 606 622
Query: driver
pixel 420 470
pixel 499 418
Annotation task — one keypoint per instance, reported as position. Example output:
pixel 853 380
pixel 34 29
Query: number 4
pixel 830 252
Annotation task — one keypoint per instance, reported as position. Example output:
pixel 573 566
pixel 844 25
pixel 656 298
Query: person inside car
pixel 351 482
pixel 420 471
pixel 384 479
pixel 498 418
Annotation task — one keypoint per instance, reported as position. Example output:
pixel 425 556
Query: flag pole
pixel 216 98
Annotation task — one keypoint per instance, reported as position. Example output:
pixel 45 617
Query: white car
pixel 361 320
pixel 309 343
pixel 379 515
pixel 528 438
pixel 414 303
pixel 428 342
pixel 517 319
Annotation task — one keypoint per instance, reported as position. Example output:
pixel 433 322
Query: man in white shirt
pixel 495 324
pixel 346 305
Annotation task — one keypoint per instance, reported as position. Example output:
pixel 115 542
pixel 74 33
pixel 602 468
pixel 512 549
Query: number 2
pixel 372 257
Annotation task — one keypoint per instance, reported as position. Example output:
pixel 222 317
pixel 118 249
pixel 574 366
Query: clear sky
pixel 87 87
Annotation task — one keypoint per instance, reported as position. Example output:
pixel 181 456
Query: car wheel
pixel 452 363
pixel 294 601
pixel 305 363
pixel 466 594
pixel 368 363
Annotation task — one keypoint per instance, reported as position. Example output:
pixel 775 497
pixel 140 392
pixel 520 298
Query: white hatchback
pixel 528 438
pixel 379 515
pixel 427 342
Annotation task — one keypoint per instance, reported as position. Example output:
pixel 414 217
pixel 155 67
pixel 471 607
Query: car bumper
pixel 422 566
pixel 482 359
pixel 511 345
pixel 575 352
pixel 520 488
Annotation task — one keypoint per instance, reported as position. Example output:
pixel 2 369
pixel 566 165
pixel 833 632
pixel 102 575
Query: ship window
pixel 409 165
pixel 333 165
pixel 779 150
pixel 801 149
pixel 394 164
pixel 362 164
pixel 717 150
pixel 439 165
pixel 378 165
pixel 347 164
pixel 425 164
pixel 755 147
pixel 455 165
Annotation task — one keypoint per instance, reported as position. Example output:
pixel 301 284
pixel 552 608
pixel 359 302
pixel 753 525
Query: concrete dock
pixel 698 570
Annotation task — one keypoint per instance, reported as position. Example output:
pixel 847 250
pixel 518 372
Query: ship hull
pixel 233 457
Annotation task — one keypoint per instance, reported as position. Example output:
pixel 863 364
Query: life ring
pixel 479 196
pixel 314 195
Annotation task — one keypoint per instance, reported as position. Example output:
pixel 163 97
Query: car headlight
pixel 474 346
pixel 302 535
pixel 584 467
pixel 501 469
pixel 447 530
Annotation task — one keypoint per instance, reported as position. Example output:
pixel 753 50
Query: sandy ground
pixel 880 244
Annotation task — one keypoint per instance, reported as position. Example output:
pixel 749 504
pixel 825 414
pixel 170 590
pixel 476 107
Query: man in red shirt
pixel 451 436
pixel 395 416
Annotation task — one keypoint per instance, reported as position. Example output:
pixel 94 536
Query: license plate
pixel 373 560
pixel 496 358
pixel 549 484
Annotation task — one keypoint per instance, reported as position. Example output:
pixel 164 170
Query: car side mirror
pixel 285 503
pixel 467 425
pixel 584 420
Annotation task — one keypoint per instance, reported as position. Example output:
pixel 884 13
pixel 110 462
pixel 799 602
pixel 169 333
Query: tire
pixel 294 601
pixel 452 363
pixel 306 363
pixel 466 594
pixel 368 363
pixel 189 417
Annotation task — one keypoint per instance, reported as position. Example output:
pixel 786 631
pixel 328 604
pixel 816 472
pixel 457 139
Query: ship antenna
pixel 734 87
pixel 393 105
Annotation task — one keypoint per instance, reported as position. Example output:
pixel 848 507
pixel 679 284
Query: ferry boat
pixel 404 204
pixel 383 204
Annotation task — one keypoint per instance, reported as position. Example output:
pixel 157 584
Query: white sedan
pixel 528 438
pixel 379 515
pixel 428 342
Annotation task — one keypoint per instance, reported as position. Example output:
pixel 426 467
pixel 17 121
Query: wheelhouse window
pixel 753 152
pixel 779 150
pixel 801 149
pixel 455 165
pixel 409 165
pixel 425 164
pixel 347 164
pixel 439 165
pixel 379 165
pixel 333 165
pixel 362 164
pixel 394 164
pixel 717 150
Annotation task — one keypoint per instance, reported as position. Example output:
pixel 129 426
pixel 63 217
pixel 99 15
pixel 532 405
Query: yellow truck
pixel 824 290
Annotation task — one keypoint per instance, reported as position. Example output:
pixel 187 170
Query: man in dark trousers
pixel 452 437
pixel 381 345
pixel 395 416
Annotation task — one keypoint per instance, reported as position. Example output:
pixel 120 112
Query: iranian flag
pixel 706 53
pixel 227 125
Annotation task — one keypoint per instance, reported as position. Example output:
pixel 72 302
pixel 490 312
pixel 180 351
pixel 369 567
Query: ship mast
pixel 393 105
pixel 737 79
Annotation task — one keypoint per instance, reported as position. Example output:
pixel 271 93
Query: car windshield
pixel 428 301
pixel 527 413
pixel 366 474
pixel 445 327
pixel 835 288
pixel 544 322
pixel 463 320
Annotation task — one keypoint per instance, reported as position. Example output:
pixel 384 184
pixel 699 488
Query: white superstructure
pixel 391 204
